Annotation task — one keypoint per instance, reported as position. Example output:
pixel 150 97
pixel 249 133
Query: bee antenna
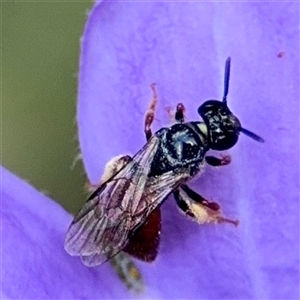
pixel 226 79
pixel 252 135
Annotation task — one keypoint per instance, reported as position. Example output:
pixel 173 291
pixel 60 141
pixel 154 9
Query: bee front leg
pixel 197 208
pixel 217 162
pixel 179 115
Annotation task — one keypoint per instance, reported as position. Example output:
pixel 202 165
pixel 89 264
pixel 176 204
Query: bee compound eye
pixel 222 142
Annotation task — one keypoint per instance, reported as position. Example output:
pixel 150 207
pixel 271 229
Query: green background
pixel 40 55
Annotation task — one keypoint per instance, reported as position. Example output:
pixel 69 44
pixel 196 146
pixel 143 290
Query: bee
pixel 123 213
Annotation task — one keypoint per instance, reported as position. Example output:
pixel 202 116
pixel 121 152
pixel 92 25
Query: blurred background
pixel 40 55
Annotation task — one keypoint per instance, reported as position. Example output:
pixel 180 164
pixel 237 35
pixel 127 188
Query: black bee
pixel 123 214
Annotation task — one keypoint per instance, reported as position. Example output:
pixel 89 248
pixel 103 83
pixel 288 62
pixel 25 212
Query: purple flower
pixel 34 263
pixel 182 47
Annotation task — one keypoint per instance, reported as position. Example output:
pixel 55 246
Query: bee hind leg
pixel 128 272
pixel 197 208
pixel 113 166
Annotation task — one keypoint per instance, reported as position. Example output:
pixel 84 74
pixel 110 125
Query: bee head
pixel 222 125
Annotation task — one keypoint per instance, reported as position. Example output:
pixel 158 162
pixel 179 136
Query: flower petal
pixel 182 47
pixel 34 263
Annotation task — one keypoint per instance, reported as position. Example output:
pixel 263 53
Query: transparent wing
pixel 103 224
pixel 159 188
pixel 119 206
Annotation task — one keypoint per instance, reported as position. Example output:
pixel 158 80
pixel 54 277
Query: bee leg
pixel 128 272
pixel 179 114
pixel 111 168
pixel 192 194
pixel 217 162
pixel 150 112
pixel 182 205
pixel 197 208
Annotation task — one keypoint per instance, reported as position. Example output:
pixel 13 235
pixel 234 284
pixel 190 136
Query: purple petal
pixel 34 263
pixel 183 47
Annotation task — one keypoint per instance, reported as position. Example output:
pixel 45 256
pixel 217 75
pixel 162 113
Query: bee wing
pixel 144 241
pixel 159 188
pixel 94 259
pixel 103 224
